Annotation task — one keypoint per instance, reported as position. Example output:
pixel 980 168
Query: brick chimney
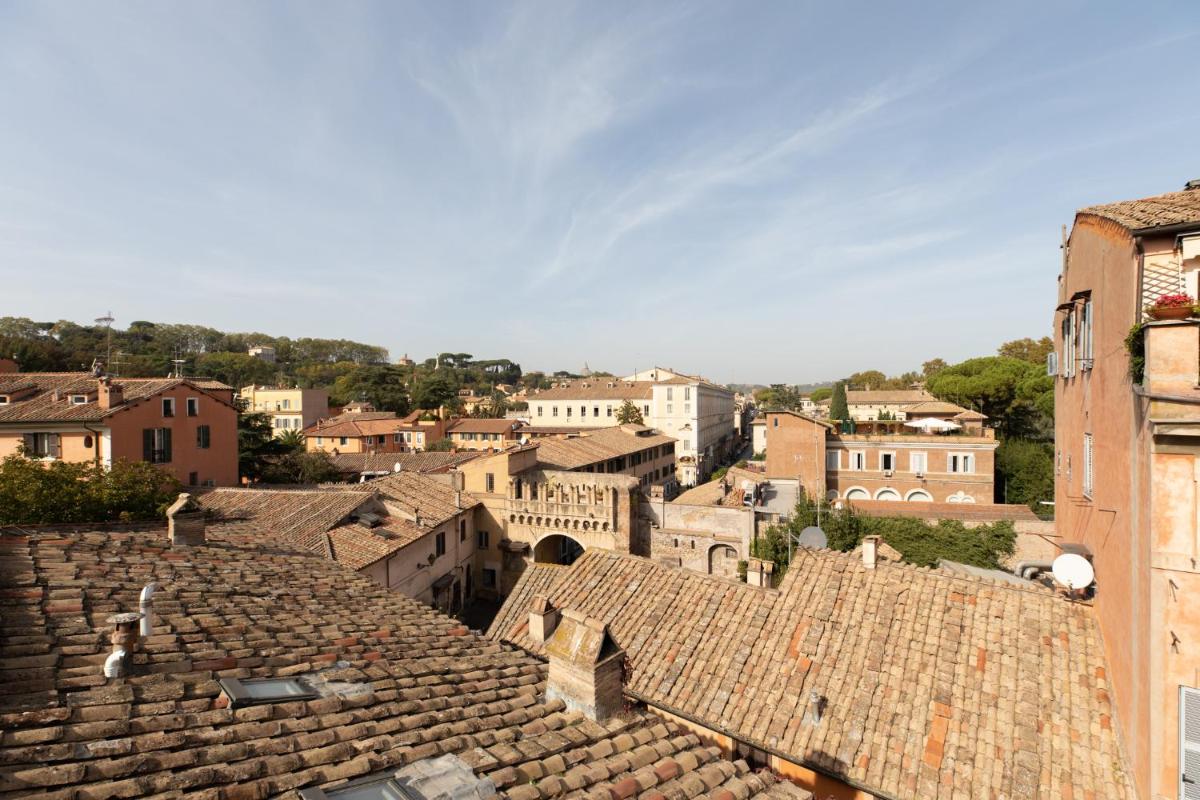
pixel 870 550
pixel 109 394
pixel 543 619
pixel 586 667
pixel 185 522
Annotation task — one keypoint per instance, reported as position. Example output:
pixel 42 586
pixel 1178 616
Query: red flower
pixel 1174 301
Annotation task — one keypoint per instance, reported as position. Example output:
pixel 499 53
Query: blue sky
pixel 759 191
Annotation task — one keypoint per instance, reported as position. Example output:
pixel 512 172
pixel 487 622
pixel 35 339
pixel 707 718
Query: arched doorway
pixel 722 560
pixel 557 549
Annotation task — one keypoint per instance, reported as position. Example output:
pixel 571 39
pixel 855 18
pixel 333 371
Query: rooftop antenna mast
pixel 106 321
pixel 177 370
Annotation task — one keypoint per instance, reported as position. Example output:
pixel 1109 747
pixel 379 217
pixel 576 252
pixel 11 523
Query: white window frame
pixel 192 408
pixel 858 461
pixel 922 457
pixel 78 399
pixel 1089 471
pixel 168 402
pixel 1189 700
pixel 883 453
pixel 1067 367
pixel 965 464
pixel 1086 343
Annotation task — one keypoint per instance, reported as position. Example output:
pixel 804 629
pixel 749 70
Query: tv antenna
pixel 177 370
pixel 106 322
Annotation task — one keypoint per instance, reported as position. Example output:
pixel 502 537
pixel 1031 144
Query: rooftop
pixel 1148 213
pixel 429 461
pixel 929 683
pixel 41 405
pixel 396 683
pixel 302 516
pixel 605 443
pixel 413 493
pixel 598 390
pixel 864 397
pixel 474 425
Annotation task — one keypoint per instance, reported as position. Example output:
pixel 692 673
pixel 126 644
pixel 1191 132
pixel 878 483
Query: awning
pixel 932 424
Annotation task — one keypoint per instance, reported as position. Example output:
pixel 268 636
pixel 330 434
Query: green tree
pixel 434 391
pixel 824 393
pixel 441 446
pixel 1031 350
pixel 300 467
pixel 1016 395
pixel 1025 473
pixel 293 440
pixel 932 367
pixel 257 445
pixel 778 397
pixel 236 369
pixel 870 379
pixel 837 407
pixel 33 492
pixel 629 414
pixel 382 385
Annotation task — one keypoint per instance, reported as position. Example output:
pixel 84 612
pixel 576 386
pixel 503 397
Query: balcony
pixel 1171 379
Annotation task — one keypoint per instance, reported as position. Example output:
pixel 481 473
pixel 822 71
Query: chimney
pixel 759 573
pixel 543 619
pixel 109 394
pixel 124 638
pixel 185 522
pixel 870 548
pixel 586 667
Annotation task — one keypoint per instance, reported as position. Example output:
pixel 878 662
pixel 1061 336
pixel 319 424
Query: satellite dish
pixel 813 538
pixel 1073 571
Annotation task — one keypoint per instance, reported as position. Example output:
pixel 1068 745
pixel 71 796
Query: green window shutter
pixel 166 445
pixel 148 444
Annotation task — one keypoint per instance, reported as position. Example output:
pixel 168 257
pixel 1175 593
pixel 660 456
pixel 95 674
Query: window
pixel 595 411
pixel 439 544
pixel 1189 741
pixel 858 460
pixel 669 398
pixel 962 463
pixel 202 437
pixel 156 445
pixel 193 406
pixel 774 422
pixel 462 530
pixel 320 441
pixel 539 410
pixel 687 408
pixel 489 578
pixel 489 482
pixel 670 409
pixel 481 539
pixel 687 393
pixel 408 437
pixel 1085 336
pixel 193 479
pixel 246 692
pixel 833 459
pixel 554 411
pixel 168 406
pixel 286 405
pixel 42 445
pixel 395 438
pixel 78 399
pixel 918 462
pixel 608 411
pixel 582 411
pixel 87 442
pixel 342 440
pixel 1068 344
pixel 568 411
pixel 887 461
pixel 1088 474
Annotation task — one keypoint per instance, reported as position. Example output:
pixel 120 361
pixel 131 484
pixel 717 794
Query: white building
pixel 697 413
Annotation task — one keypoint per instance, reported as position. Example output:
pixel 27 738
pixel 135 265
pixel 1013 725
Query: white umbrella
pixel 932 424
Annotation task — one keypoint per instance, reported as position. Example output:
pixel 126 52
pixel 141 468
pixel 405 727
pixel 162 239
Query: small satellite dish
pixel 813 538
pixel 1073 571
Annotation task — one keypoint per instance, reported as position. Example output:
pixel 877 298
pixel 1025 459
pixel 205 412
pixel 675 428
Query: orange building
pixel 956 467
pixel 373 432
pixel 469 433
pixel 189 426
pixel 1127 482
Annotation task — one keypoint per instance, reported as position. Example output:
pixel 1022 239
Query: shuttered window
pixel 202 437
pixel 156 445
pixel 1189 743
pixel 42 445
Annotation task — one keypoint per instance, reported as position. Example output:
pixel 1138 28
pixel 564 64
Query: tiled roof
pixel 713 493
pixel 413 492
pixel 1173 208
pixel 930 684
pixel 429 461
pixel 553 430
pixel 591 390
pixel 304 516
pixel 356 546
pixel 856 397
pixel 606 443
pixel 806 417
pixel 934 407
pixel 472 425
pixel 398 683
pixel 351 425
pixel 965 511
pixel 40 406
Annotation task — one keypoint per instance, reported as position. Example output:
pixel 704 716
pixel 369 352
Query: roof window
pixel 427 779
pixel 265 690
pixel 78 399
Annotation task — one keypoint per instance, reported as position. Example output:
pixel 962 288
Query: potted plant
pixel 1172 306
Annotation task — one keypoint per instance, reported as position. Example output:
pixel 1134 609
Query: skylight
pixel 265 690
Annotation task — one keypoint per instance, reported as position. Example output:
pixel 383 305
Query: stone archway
pixel 722 561
pixel 557 548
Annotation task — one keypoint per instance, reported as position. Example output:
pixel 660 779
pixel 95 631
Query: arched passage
pixel 557 549
pixel 722 560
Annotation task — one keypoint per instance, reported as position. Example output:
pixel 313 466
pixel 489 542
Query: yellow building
pixel 289 409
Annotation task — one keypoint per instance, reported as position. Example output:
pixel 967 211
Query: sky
pixel 759 192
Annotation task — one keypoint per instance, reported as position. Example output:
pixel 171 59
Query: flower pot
pixel 1170 312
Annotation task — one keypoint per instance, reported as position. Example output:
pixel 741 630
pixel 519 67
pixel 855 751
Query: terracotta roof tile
pixel 397 681
pixel 304 516
pixel 413 492
pixel 41 405
pixel 599 390
pixel 429 461
pixel 1173 208
pixel 605 443
pixel 472 425
pixel 923 675
pixel 874 396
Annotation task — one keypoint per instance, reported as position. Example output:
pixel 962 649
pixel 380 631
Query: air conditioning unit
pixel 920 474
pixel 887 473
pixel 1085 364
pixel 1052 364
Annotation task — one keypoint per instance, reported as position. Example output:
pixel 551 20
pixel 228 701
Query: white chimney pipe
pixel 870 548
pixel 146 606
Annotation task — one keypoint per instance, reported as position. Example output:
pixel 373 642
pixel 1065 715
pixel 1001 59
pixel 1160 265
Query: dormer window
pixel 258 691
pixel 78 399
pixel 3 399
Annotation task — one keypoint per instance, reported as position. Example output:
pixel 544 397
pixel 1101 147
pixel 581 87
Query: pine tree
pixel 837 405
pixel 629 414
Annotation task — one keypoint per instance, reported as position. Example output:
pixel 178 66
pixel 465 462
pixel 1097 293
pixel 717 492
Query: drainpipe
pixel 1025 569
pixel 95 442
pixel 146 607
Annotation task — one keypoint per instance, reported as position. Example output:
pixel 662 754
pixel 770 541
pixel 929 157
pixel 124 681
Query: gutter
pixel 1140 391
pixel 1179 227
